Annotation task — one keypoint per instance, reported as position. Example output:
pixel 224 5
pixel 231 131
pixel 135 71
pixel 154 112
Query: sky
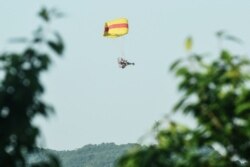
pixel 97 102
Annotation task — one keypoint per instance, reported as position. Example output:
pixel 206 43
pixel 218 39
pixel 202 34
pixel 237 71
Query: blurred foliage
pixel 189 44
pixel 48 14
pixel 216 93
pixel 222 35
pixel 20 97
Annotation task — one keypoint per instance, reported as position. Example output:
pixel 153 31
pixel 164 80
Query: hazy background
pixel 97 102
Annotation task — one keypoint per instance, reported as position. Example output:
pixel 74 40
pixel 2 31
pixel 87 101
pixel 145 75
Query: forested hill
pixel 102 155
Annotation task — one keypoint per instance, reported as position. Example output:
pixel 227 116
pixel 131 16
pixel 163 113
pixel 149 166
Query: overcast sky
pixel 97 102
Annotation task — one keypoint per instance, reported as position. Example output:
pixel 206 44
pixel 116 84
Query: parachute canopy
pixel 116 28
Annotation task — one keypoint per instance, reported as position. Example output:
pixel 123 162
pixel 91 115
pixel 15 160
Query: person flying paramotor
pixel 114 29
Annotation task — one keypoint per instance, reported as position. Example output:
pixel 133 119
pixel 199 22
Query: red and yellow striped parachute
pixel 116 28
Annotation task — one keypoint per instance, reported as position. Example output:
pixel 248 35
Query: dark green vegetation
pixel 216 92
pixel 20 94
pixel 103 155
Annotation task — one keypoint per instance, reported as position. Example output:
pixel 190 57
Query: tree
pixel 216 93
pixel 20 95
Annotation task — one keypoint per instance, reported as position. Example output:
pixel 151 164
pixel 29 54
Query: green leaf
pixel 189 44
pixel 182 71
pixel 56 13
pixel 44 14
pixel 234 39
pixel 196 57
pixel 242 108
pixel 180 103
pixel 226 56
pixel 175 64
pixel 220 33
pixel 226 36
pixel 19 40
pixel 57 46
